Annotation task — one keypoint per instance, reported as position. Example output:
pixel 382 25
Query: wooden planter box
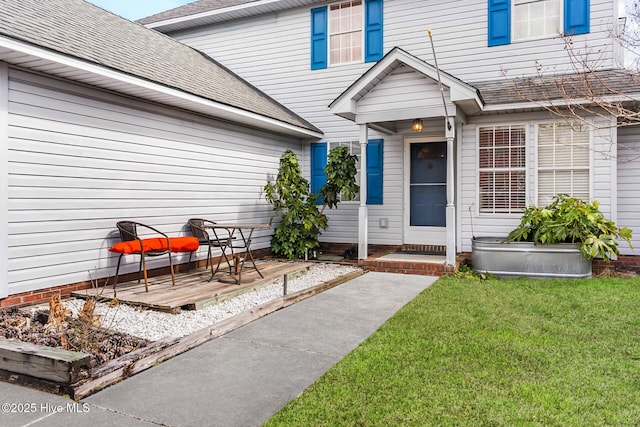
pixel 48 363
pixel 515 259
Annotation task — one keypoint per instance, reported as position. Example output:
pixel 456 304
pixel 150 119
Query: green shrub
pixel 302 222
pixel 572 220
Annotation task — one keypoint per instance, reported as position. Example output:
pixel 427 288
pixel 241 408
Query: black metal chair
pixel 199 228
pixel 132 244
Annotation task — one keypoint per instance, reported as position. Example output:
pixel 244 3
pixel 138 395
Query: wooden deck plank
pixel 193 290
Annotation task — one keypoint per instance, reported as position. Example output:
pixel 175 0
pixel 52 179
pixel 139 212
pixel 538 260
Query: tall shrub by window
pixel 354 149
pixel 374 171
pixel 563 161
pixel 501 169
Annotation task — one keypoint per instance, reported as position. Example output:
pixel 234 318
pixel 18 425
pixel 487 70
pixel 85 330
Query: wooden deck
pixel 193 290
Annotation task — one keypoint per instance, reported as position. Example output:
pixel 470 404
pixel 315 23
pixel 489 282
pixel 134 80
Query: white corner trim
pixel 4 180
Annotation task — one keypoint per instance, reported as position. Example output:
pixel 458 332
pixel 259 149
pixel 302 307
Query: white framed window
pixel 346 23
pixel 563 161
pixel 502 169
pixel 536 18
pixel 354 149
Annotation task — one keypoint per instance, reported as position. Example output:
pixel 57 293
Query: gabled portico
pixel 397 91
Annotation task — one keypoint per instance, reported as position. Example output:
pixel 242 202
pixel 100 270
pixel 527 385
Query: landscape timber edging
pixel 144 358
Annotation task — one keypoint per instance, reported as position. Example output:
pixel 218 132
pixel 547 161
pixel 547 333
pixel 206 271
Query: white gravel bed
pixel 154 325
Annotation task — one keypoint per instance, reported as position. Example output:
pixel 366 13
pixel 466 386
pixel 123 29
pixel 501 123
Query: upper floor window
pixel 535 18
pixel 345 32
pixel 349 31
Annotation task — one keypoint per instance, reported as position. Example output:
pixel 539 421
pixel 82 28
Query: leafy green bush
pixel 341 171
pixel 572 220
pixel 302 222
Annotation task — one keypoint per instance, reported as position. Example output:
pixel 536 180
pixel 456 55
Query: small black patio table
pixel 244 243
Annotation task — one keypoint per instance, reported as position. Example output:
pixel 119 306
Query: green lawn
pixel 498 352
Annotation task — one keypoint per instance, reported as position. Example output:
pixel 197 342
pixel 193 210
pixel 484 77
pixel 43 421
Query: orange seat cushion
pixel 184 244
pixel 178 244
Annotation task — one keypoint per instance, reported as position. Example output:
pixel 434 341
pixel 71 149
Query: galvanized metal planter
pixel 494 255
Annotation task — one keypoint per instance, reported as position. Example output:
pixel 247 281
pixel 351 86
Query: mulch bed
pixel 73 334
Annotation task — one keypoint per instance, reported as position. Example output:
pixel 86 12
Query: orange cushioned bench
pixel 177 244
pixel 132 244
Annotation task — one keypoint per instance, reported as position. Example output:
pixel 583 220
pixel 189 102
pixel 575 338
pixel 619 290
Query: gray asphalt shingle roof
pixel 82 30
pixel 595 84
pixel 193 8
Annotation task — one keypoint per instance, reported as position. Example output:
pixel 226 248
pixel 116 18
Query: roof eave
pixel 345 106
pixel 216 15
pixel 532 105
pixel 142 88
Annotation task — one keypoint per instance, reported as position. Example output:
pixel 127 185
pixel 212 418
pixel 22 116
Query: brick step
pixel 407 267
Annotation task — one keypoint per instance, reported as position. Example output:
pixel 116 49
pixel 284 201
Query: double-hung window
pixel 319 152
pixel 502 169
pixel 536 18
pixel 515 20
pixel 563 161
pixel 563 165
pixel 345 32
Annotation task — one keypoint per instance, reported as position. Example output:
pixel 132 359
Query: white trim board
pixel 4 180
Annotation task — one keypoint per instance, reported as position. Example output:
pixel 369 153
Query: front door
pixel 426 192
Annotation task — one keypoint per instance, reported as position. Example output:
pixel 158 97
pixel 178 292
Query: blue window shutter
pixel 499 22
pixel 318 162
pixel 319 37
pixel 373 40
pixel 576 17
pixel 374 172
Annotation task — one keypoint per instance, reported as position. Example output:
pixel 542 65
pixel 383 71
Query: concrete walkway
pixel 240 379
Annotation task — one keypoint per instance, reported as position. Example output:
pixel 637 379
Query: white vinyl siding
pixel 79 160
pixel 629 185
pixel 563 161
pixel 280 67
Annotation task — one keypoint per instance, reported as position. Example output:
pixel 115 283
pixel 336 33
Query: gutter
pixel 183 99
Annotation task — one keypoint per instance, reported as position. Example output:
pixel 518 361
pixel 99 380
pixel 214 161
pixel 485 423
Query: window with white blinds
pixel 501 169
pixel 563 161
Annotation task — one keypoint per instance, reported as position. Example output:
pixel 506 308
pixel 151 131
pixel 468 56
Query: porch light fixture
pixel 417 125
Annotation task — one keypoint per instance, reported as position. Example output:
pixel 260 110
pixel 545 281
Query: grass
pixel 498 353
